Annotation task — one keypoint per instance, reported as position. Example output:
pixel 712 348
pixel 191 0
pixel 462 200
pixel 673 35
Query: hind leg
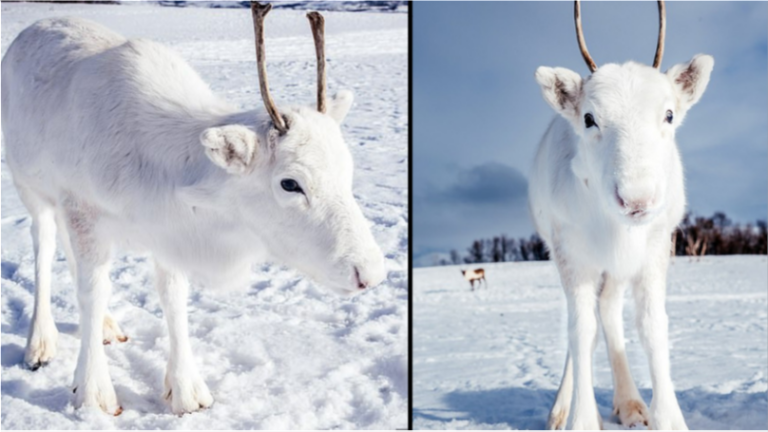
pixel 627 403
pixel 111 330
pixel 558 415
pixel 41 343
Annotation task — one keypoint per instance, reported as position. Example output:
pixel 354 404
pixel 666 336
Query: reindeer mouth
pixel 637 216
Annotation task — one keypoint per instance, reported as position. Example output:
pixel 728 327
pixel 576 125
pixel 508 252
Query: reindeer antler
pixel 317 22
pixel 583 45
pixel 260 11
pixel 580 37
pixel 662 34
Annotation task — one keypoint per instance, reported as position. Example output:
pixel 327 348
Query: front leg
pixel 184 388
pixel 580 286
pixel 652 324
pixel 92 385
pixel 112 331
pixel 582 336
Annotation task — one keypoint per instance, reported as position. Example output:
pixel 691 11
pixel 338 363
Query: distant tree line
pixel 717 235
pixel 501 249
pixel 695 236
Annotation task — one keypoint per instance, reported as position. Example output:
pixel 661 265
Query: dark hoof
pixel 36 366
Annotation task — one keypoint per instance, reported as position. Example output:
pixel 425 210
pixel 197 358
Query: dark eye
pixel 669 116
pixel 589 121
pixel 291 185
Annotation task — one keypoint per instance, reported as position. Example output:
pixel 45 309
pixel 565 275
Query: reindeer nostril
pixel 618 197
pixel 360 284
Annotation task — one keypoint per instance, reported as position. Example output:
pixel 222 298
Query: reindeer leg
pixel 627 403
pixel 92 385
pixel 41 342
pixel 111 330
pixel 580 284
pixel 558 415
pixel 185 390
pixel 653 326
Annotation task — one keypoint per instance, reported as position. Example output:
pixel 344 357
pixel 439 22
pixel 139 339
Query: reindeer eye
pixel 669 116
pixel 291 185
pixel 589 121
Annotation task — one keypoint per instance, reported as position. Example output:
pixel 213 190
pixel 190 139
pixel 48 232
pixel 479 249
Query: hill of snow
pixel 493 358
pixel 346 6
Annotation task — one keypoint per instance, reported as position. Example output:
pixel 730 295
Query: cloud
pixel 482 201
pixel 488 183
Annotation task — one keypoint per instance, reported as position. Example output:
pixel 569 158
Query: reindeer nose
pixel 638 202
pixel 370 274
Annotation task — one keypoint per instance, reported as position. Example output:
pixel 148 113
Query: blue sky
pixel 478 113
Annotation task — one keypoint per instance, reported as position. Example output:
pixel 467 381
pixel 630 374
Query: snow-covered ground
pixel 334 5
pixel 494 358
pixel 283 354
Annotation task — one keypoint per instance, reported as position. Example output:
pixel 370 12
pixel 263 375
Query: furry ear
pixel 232 147
pixel 561 89
pixel 340 105
pixel 691 79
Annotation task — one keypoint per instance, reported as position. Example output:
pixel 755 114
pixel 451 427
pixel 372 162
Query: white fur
pixel 606 200
pixel 119 142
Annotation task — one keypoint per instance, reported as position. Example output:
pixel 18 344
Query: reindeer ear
pixel 340 105
pixel 561 89
pixel 232 147
pixel 691 79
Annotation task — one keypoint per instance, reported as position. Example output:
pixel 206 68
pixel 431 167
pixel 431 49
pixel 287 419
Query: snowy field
pixel 493 359
pixel 283 354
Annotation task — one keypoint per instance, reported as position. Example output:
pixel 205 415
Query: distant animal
pixel 606 193
pixel 119 142
pixel 475 275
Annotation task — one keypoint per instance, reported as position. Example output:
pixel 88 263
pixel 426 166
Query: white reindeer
pixel 606 193
pixel 119 142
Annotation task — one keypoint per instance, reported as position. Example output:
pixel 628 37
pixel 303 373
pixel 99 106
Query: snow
pixel 336 5
pixel 494 358
pixel 284 354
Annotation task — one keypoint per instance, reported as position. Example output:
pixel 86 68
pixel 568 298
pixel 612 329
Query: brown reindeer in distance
pixel 475 275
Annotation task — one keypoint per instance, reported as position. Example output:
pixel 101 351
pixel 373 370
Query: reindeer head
pixel 625 117
pixel 289 176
